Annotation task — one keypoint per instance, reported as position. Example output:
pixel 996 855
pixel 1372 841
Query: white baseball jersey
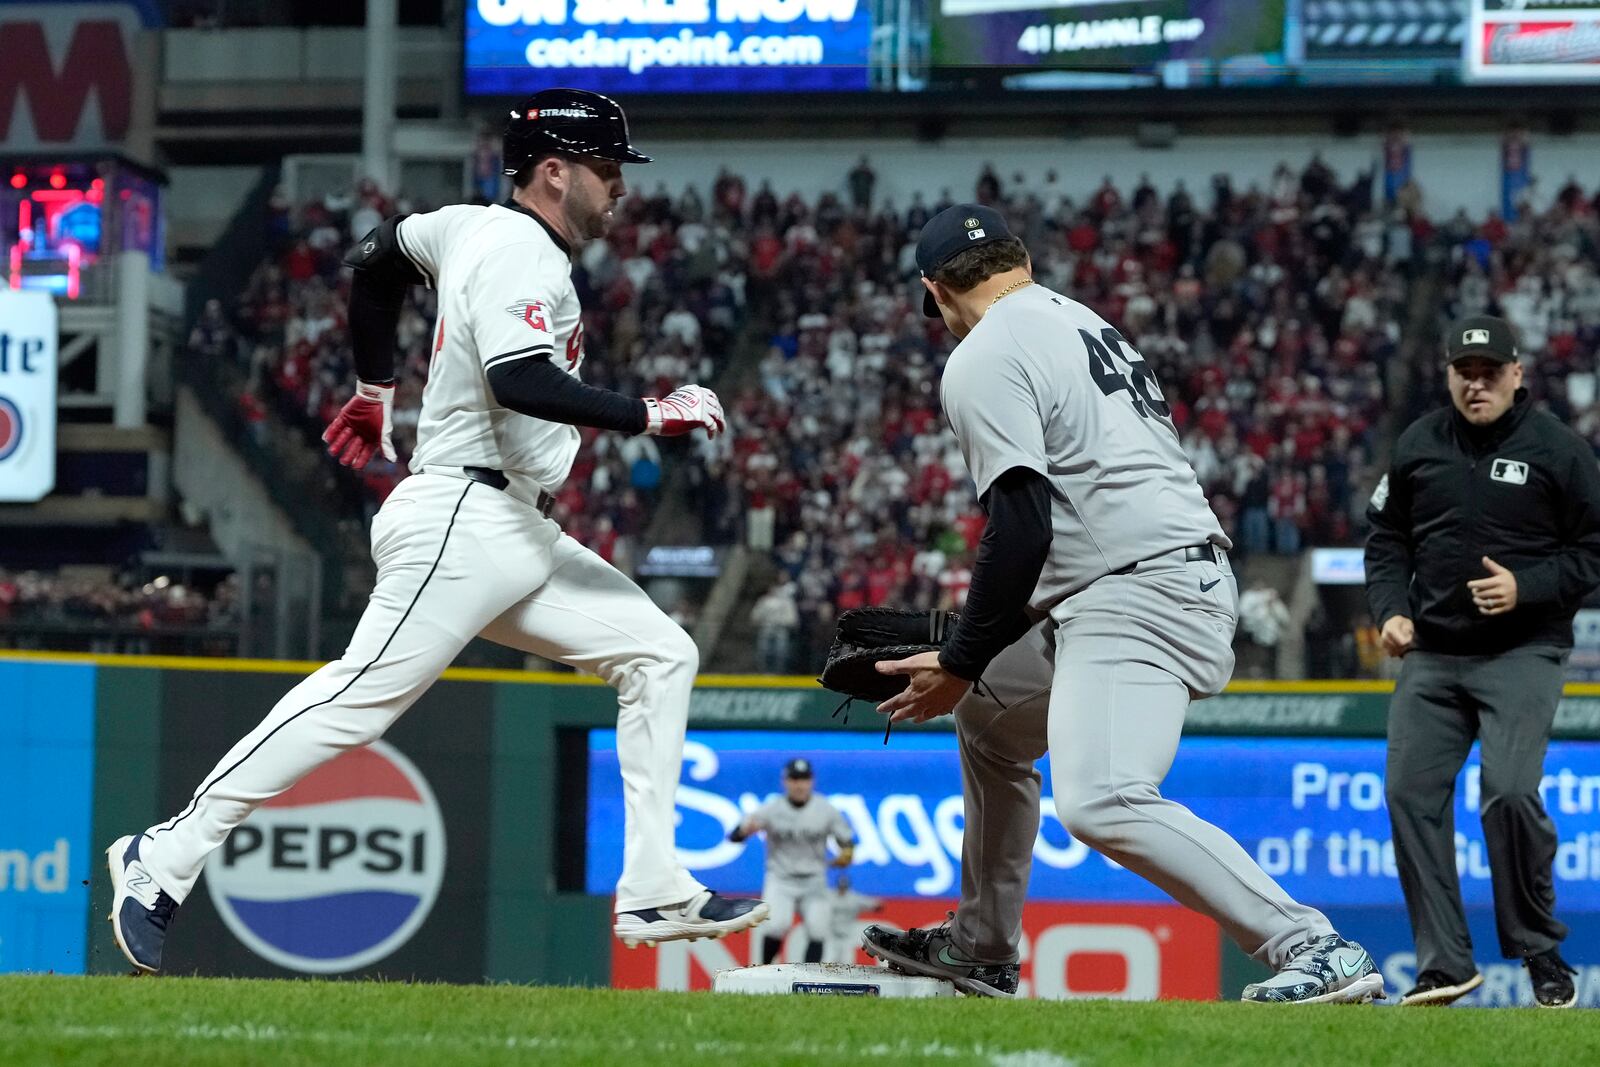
pixel 797 837
pixel 1043 382
pixel 505 293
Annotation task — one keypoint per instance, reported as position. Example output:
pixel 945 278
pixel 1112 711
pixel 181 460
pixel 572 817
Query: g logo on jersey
pixel 530 312
pixel 10 428
pixel 339 871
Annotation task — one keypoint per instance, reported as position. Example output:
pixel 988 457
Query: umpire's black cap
pixel 951 232
pixel 1481 336
pixel 574 121
pixel 799 767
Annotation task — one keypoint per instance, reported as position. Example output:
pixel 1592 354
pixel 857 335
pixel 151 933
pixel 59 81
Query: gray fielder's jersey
pixel 797 838
pixel 1043 382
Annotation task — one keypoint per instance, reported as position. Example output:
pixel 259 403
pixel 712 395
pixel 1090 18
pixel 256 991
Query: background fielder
pixel 1101 604
pixel 465 546
pixel 798 827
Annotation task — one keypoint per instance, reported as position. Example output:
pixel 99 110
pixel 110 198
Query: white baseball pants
pixel 456 559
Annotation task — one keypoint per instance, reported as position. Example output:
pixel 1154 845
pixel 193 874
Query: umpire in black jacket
pixel 1485 539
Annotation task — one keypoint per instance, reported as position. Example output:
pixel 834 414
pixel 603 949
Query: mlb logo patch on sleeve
pixel 1510 470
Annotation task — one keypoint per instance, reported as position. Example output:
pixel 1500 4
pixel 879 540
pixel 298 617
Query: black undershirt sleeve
pixel 375 303
pixel 1011 556
pixel 535 386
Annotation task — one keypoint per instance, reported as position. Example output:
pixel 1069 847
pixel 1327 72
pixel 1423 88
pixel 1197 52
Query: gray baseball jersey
pixel 797 838
pixel 1043 382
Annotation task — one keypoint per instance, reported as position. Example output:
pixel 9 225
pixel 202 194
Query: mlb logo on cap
pixel 1481 337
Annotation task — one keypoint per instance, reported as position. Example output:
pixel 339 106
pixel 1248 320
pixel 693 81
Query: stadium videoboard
pixel 733 47
pixel 1095 44
pixel 667 46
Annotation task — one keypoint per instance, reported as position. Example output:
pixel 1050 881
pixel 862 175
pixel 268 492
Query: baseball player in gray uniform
pixel 844 935
pixel 798 826
pixel 466 545
pixel 1101 605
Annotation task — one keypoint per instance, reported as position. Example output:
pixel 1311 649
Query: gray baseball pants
pixel 1103 685
pixel 1441 704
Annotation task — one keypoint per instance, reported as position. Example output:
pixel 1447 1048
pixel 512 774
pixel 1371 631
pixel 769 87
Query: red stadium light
pixel 58 180
pixel 18 180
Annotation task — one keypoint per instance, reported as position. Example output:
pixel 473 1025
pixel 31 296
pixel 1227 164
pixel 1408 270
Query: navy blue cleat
pixel 706 914
pixel 141 911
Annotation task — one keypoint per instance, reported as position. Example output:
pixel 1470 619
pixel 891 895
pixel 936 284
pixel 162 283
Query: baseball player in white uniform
pixel 1101 605
pixel 466 545
pixel 799 826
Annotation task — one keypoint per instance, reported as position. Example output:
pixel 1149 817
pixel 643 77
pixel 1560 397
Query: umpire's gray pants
pixel 1442 703
pixel 1103 686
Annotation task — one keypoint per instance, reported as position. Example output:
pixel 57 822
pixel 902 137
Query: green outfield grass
pixel 195 1022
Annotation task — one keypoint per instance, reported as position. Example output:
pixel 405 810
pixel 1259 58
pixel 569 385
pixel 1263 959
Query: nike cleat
pixel 1552 979
pixel 707 914
pixel 1329 970
pixel 930 952
pixel 1436 989
pixel 141 911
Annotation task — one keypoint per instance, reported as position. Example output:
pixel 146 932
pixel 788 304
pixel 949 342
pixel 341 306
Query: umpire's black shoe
pixel 1552 979
pixel 141 911
pixel 929 952
pixel 1436 989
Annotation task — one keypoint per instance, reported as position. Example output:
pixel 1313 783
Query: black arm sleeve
pixel 1012 554
pixel 1389 560
pixel 374 319
pixel 383 273
pixel 535 386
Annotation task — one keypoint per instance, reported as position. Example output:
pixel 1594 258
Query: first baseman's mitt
pixel 867 636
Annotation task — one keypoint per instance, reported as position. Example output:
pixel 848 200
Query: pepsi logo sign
pixel 10 428
pixel 339 871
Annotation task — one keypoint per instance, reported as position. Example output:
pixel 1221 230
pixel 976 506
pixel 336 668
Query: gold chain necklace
pixel 1008 290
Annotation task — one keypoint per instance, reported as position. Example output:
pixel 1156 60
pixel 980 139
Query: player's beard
pixel 592 216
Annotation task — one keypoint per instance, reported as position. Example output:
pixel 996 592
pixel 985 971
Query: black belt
pixel 1206 553
pixel 497 480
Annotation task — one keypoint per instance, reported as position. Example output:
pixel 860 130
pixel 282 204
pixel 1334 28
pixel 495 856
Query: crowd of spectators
pixel 1538 272
pixel 89 602
pixel 1270 315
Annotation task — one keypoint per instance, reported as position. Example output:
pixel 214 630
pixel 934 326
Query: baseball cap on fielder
pixel 1481 336
pixel 951 232
pixel 799 767
pixel 574 121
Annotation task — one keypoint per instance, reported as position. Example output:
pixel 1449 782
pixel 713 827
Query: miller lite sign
pixel 27 395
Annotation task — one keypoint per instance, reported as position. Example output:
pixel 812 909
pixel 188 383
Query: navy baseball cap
pixel 798 767
pixel 951 232
pixel 1481 336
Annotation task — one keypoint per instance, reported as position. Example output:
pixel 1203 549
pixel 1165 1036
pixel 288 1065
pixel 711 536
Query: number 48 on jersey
pixel 1108 353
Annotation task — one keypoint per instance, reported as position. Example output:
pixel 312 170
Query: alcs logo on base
pixel 339 871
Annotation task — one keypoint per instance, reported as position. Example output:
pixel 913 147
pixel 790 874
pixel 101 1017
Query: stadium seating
pixel 1270 313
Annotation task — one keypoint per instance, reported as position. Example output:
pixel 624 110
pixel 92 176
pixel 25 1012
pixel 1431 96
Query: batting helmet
pixel 574 121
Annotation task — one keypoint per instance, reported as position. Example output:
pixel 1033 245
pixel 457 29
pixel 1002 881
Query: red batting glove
pixel 363 426
pixel 684 410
